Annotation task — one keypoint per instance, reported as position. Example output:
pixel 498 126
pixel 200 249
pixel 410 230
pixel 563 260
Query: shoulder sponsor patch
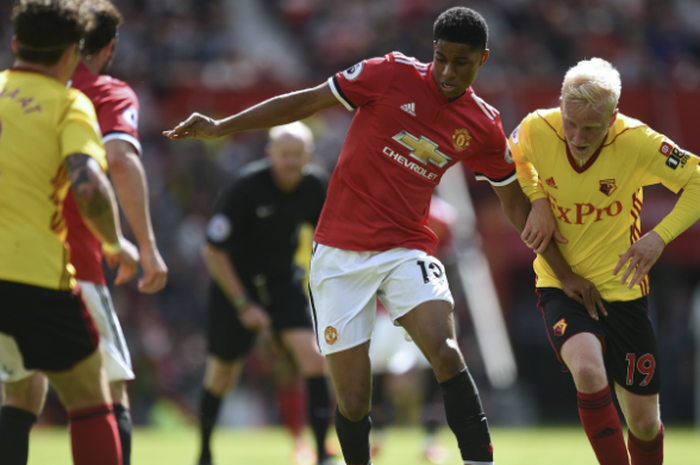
pixel 514 135
pixel 219 228
pixel 354 71
pixel 509 155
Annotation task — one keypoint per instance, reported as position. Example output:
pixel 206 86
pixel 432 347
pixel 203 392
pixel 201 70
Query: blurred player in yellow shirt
pixel 49 140
pixel 592 162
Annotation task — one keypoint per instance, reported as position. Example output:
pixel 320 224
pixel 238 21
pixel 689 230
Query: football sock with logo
pixel 123 417
pixel 15 425
pixel 319 412
pixel 602 426
pixel 209 410
pixel 467 420
pixel 94 436
pixel 646 452
pixel 354 438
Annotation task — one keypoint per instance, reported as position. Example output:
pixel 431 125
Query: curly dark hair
pixel 462 25
pixel 107 20
pixel 45 28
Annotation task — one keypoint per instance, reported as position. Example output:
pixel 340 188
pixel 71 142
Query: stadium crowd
pixel 169 49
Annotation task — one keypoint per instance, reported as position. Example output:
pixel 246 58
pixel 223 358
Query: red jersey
pixel 117 111
pixel 402 139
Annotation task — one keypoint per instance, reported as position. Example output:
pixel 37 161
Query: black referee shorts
pixel 284 299
pixel 629 343
pixel 53 329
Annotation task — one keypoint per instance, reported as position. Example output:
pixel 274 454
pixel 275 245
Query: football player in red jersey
pixel 117 109
pixel 413 121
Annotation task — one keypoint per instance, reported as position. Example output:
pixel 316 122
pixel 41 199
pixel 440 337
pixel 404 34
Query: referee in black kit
pixel 251 241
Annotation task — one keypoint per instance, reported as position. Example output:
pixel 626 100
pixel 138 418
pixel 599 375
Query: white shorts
pixel 345 286
pixel 115 353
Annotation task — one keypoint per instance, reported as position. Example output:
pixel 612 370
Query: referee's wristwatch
pixel 240 302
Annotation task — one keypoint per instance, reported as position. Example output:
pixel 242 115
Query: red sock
pixel 646 453
pixel 292 409
pixel 94 436
pixel 602 425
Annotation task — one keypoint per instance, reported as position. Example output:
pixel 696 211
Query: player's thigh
pixel 84 385
pixel 220 375
pixel 351 374
pixel 116 356
pixel 565 318
pixel 641 412
pixel 27 393
pixel 632 356
pixel 343 295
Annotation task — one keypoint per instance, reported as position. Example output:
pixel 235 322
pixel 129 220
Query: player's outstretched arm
pixel 130 184
pixel 98 207
pixel 278 110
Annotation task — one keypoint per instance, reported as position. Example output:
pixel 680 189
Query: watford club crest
pixel 331 335
pixel 560 327
pixel 607 186
pixel 460 139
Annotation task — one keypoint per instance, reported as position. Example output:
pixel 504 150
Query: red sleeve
pixel 363 82
pixel 118 115
pixel 494 162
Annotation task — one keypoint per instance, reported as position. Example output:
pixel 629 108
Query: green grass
pixel 268 446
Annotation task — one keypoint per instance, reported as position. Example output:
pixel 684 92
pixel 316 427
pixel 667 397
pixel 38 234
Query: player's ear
pixel 613 118
pixel 484 57
pixel 14 44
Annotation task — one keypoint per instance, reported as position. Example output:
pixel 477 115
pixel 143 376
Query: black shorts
pixel 283 298
pixel 53 329
pixel 629 343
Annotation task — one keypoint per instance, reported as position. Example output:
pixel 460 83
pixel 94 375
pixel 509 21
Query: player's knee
pixel 588 375
pixel 354 407
pixel 447 360
pixel 645 427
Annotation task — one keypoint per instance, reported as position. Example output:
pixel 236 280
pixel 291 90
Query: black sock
pixel 123 417
pixel 319 412
pixel 209 410
pixel 15 424
pixel 466 418
pixel 354 438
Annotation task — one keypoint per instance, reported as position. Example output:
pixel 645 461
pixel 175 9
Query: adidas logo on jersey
pixel 409 108
pixel 552 183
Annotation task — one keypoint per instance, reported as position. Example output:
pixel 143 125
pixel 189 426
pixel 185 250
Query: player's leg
pixel 576 338
pixel 84 392
pixel 116 357
pixel 645 436
pixel 343 288
pixel 23 401
pixel 431 325
pixel 633 359
pixel 302 345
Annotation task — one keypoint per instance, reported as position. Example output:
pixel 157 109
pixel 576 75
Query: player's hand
pixel 641 257
pixel 540 227
pixel 197 126
pixel 155 272
pixel 127 259
pixel 584 292
pixel 253 317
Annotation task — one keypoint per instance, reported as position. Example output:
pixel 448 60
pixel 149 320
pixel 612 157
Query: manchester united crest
pixel 460 139
pixel 607 186
pixel 331 335
pixel 560 327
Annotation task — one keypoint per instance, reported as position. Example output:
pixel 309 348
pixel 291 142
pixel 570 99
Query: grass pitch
pixel 565 445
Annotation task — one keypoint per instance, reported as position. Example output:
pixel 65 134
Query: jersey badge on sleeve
pixel 508 157
pixel 131 116
pixel 219 228
pixel 354 71
pixel 460 139
pixel 514 135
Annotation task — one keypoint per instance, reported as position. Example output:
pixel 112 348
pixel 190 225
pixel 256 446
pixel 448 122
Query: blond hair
pixel 591 82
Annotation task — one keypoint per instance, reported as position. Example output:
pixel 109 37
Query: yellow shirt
pixel 41 123
pixel 597 206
